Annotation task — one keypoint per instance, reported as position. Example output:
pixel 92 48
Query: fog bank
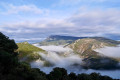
pixel 59 56
pixel 110 51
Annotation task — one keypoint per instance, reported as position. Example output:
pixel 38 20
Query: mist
pixel 54 48
pixel 59 56
pixel 110 51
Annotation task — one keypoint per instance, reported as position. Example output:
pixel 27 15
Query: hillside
pixel 85 47
pixel 28 52
pixel 92 59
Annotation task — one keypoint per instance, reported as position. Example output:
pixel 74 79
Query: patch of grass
pixel 28 52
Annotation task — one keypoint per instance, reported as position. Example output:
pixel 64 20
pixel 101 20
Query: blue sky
pixel 37 19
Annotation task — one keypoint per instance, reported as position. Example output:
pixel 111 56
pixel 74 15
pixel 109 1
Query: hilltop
pixel 28 52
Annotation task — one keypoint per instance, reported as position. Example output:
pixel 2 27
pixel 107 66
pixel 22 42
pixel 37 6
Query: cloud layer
pixel 71 62
pixel 110 51
pixel 92 23
pixel 82 18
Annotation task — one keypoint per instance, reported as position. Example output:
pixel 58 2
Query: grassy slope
pixel 28 52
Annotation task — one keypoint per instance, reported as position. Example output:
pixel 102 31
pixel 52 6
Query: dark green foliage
pixel 8 56
pixel 58 74
pixel 101 63
pixel 7 45
pixel 72 76
pixel 83 76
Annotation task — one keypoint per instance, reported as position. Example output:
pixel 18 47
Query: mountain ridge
pixel 66 40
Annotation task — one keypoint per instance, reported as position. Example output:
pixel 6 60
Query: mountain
pixel 66 40
pixel 28 52
pixel 92 59
pixel 59 40
pixel 12 69
pixel 85 47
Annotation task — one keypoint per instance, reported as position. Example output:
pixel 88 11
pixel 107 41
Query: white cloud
pixel 85 23
pixel 13 9
pixel 74 2
pixel 110 51
pixel 55 48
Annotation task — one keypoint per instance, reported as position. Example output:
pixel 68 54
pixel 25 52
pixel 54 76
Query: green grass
pixel 28 51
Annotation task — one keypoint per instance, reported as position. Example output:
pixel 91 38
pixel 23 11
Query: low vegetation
pixel 28 52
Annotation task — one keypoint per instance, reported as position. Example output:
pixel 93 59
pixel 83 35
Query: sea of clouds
pixel 64 57
pixel 110 51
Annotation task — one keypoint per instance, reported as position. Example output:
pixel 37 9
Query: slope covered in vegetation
pixel 28 52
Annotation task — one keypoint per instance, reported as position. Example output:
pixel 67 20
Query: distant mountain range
pixel 65 40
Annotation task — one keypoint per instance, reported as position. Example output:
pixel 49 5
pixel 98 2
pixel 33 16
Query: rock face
pixel 85 47
pixel 92 59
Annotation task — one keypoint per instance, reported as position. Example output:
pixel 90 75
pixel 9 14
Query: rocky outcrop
pixel 85 47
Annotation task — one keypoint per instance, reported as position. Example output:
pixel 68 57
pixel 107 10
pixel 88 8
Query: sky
pixel 25 20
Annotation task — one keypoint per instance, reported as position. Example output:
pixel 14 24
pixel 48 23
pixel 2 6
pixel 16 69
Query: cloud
pixel 19 9
pixel 58 58
pixel 82 23
pixel 81 2
pixel 56 48
pixel 110 51
pixel 71 62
